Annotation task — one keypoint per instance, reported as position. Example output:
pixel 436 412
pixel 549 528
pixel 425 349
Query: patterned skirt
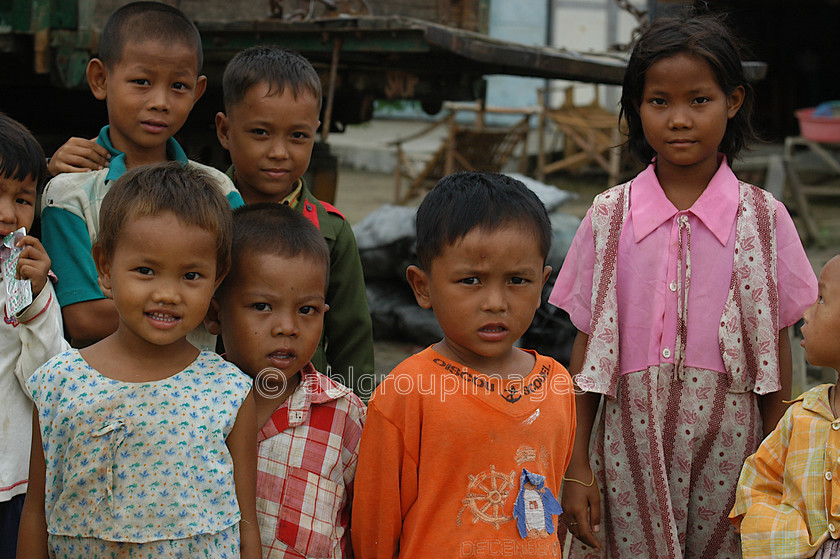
pixel 667 454
pixel 220 545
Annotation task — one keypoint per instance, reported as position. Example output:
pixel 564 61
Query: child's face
pixel 684 112
pixel 484 290
pixel 270 139
pixel 149 93
pixel 161 277
pixel 17 204
pixel 822 320
pixel 272 313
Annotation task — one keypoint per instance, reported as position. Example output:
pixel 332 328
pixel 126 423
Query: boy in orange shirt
pixel 465 443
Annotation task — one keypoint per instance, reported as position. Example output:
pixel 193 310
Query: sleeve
pixel 224 182
pixel 768 523
pixel 385 487
pixel 572 290
pixel 797 283
pixel 41 334
pixel 66 239
pixel 347 325
pixel 235 199
pixel 762 476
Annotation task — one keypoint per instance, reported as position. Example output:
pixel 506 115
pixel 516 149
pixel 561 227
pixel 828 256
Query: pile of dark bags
pixel 386 240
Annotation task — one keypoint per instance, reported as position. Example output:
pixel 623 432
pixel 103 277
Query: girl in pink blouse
pixel 681 283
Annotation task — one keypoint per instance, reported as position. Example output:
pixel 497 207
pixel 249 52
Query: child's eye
pixel 141 81
pixel 701 100
pixel 23 202
pixel 144 271
pixel 516 280
pixel 262 307
pixel 180 86
pixel 307 309
pixel 259 131
pixel 300 135
pixel 192 276
pixel 658 101
pixel 469 281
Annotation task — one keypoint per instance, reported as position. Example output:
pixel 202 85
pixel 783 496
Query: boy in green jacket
pixel 272 102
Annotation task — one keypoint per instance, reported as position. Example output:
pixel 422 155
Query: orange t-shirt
pixel 442 456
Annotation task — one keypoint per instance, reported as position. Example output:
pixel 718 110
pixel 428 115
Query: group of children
pixel 682 284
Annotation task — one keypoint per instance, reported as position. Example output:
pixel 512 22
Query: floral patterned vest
pixel 749 326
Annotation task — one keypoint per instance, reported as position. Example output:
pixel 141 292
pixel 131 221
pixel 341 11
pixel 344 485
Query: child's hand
pixel 77 155
pixel 582 507
pixel 33 264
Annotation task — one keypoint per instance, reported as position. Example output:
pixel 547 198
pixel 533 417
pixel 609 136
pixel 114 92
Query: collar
pixel 116 166
pixel 816 401
pixel 292 199
pixel 313 388
pixel 716 207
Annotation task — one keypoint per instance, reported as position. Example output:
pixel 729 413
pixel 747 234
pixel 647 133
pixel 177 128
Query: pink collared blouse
pixel 647 283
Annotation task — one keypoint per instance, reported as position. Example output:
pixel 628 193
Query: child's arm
pixel 90 321
pixel 242 443
pixel 32 535
pixel 88 315
pixel 581 498
pixel 77 155
pixel 772 405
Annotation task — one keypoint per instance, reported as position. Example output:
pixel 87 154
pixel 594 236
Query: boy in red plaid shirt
pixel 269 311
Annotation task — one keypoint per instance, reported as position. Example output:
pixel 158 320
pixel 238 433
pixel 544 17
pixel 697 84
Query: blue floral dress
pixel 139 469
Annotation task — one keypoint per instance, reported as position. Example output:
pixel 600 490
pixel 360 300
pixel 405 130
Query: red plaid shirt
pixel 307 453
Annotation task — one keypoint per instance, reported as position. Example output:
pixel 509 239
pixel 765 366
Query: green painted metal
pixel 64 14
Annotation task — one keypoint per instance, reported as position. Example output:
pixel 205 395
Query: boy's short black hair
pixel 462 202
pixel 275 229
pixel 147 21
pixel 21 155
pixel 188 192
pixel 278 67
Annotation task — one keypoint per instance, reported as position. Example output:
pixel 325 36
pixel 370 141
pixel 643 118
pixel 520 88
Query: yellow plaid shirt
pixel 789 490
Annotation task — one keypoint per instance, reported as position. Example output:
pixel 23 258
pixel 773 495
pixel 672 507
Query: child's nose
pixel 7 210
pixel 278 149
pixel 284 326
pixel 679 118
pixel 809 311
pixel 159 99
pixel 494 300
pixel 166 292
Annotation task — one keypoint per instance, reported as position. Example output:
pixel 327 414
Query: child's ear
pixel 97 77
pixel 222 129
pixel 419 281
pixel 103 270
pixel 734 101
pixel 200 88
pixel 211 319
pixel 546 273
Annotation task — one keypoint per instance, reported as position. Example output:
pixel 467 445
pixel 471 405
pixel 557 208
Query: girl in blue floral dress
pixel 144 446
